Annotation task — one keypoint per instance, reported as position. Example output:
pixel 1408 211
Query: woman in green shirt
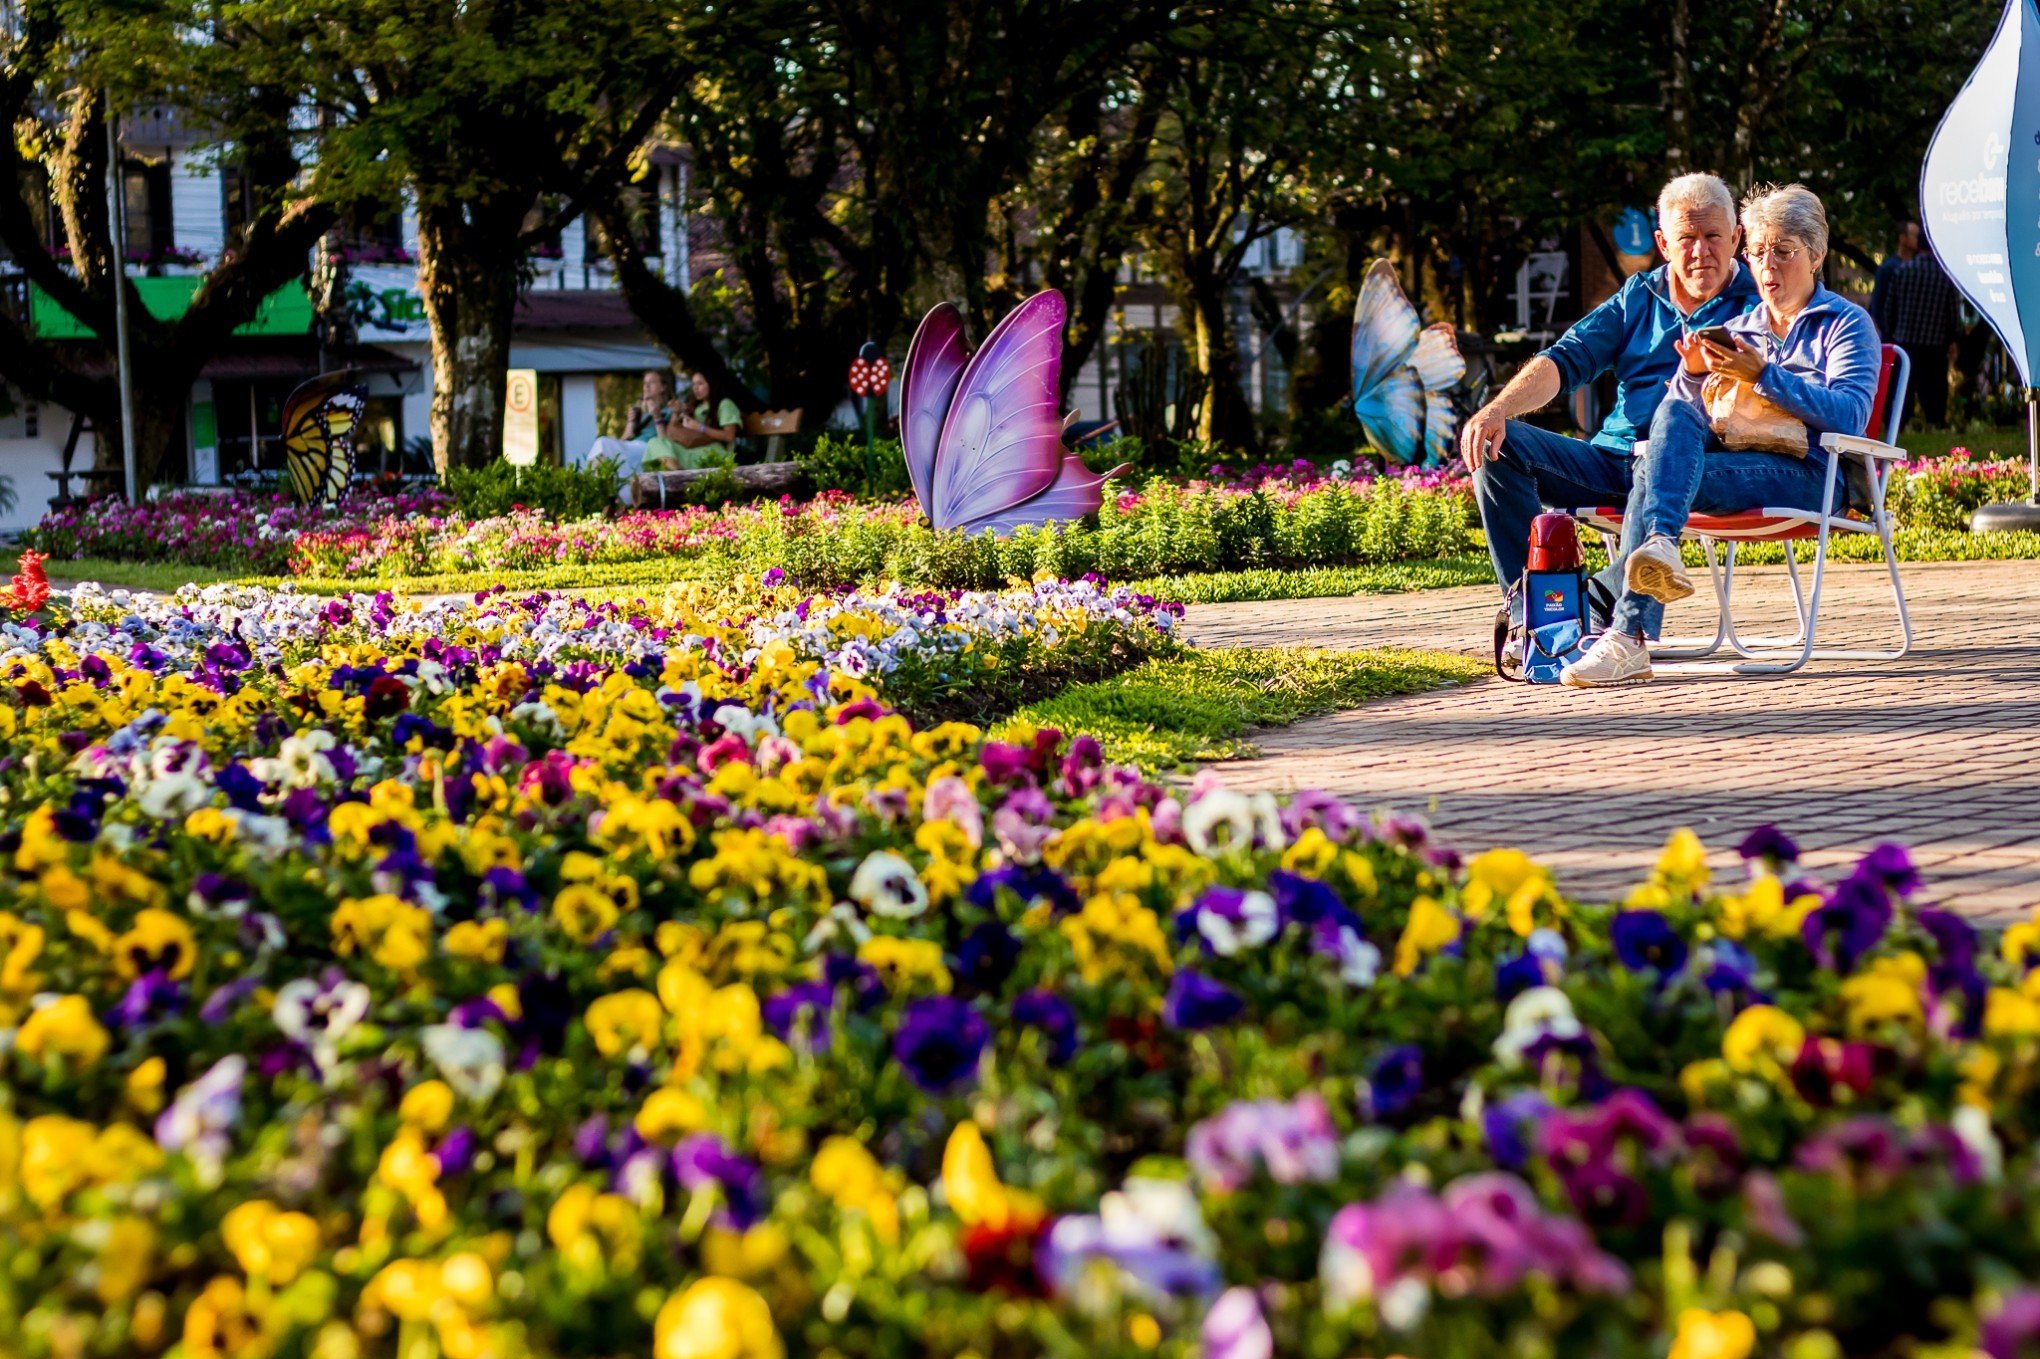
pixel 704 435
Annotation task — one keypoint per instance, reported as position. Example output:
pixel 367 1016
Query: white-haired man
pixel 1518 467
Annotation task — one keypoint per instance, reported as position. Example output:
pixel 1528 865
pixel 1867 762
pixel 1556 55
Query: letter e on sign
pixel 520 418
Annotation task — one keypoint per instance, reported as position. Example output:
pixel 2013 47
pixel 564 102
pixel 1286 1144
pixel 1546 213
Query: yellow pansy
pixel 2009 1014
pixel 668 1114
pixel 906 964
pixel 427 1106
pixel 482 940
pixel 1713 1335
pixel 1430 928
pixel 971 1183
pixel 157 939
pixel 583 911
pixel 1886 992
pixel 716 1319
pixel 389 929
pixel 1762 1039
pixel 64 1029
pixel 1511 879
pixel 268 1242
pixel 625 1023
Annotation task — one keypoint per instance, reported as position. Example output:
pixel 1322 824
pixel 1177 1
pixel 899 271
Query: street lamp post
pixel 870 377
pixel 116 215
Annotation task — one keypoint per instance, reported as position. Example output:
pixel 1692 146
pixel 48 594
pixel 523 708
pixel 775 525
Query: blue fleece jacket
pixel 1632 333
pixel 1824 371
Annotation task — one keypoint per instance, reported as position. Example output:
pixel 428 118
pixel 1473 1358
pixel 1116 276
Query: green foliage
pixel 1203 705
pixel 1944 494
pixel 562 492
pixel 837 462
pixel 1228 587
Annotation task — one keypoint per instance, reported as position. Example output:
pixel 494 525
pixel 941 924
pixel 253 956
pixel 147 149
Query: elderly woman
pixel 1807 351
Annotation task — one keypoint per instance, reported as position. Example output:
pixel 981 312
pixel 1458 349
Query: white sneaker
pixel 1654 569
pixel 1616 659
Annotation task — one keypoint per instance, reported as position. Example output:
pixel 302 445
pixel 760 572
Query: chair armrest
pixel 1862 447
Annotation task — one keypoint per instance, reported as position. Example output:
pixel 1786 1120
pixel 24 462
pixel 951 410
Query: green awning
pixel 287 311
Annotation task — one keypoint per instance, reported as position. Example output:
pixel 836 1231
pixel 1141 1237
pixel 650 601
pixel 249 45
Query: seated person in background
pixel 647 415
pixel 1807 351
pixel 703 433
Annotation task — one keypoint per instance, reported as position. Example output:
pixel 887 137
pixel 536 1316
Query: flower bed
pixel 244 529
pixel 830 541
pixel 1941 493
pixel 542 978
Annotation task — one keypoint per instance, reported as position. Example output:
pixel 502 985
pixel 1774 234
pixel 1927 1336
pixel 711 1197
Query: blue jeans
pixel 1684 469
pixel 1677 475
pixel 1535 468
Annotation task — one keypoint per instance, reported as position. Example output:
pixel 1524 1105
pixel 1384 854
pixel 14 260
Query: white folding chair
pixel 1782 655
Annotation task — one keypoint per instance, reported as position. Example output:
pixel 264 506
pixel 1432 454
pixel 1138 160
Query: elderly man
pixel 1518 467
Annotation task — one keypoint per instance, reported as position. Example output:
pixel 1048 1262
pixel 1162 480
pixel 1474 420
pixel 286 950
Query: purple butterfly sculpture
pixel 982 432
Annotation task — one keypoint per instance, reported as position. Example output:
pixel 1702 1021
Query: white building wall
pixel 197 212
pixel 577 415
pixel 27 459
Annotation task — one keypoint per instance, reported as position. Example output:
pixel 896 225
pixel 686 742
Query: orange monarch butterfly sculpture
pixel 319 421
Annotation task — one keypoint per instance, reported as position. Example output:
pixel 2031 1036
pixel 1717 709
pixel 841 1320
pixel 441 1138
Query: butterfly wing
pixel 1441 428
pixel 1437 359
pixel 319 421
pixel 935 364
pixel 1075 492
pixel 1385 329
pixel 1392 414
pixel 1001 442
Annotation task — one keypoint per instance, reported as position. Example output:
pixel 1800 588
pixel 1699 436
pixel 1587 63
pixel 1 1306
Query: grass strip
pixel 1205 705
pixel 1317 582
pixel 1215 587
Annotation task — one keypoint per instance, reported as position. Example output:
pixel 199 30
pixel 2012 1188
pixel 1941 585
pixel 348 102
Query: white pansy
pixel 471 1060
pixel 1540 1012
pixel 887 886
pixel 1220 810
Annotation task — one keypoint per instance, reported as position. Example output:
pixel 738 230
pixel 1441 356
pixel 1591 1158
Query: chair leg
pixel 1695 649
pixel 1809 612
pixel 1756 646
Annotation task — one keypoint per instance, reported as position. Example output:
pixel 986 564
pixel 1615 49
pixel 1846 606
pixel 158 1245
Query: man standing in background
pixel 1907 246
pixel 1926 317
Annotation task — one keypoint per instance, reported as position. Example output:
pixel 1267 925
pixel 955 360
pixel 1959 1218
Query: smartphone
pixel 1718 335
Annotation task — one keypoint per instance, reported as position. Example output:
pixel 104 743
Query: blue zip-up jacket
pixel 1824 371
pixel 1632 333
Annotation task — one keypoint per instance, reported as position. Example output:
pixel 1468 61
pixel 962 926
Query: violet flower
pixel 939 1042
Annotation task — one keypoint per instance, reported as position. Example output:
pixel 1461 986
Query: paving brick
pixel 1940 750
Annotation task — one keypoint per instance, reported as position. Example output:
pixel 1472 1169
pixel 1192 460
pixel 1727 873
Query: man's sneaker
pixel 1616 659
pixel 1654 569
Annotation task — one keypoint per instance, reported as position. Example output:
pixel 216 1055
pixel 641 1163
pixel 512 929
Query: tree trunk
pixel 1679 94
pixel 1226 417
pixel 468 280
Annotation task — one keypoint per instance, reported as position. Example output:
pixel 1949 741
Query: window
pixel 374 235
pixel 641 202
pixel 147 188
pixel 545 210
pixel 237 195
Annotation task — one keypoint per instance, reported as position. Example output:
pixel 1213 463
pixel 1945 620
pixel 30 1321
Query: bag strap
pixel 1502 645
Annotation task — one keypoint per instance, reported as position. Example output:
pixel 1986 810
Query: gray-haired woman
pixel 1811 353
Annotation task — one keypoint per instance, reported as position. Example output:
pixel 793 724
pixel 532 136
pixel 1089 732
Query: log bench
pixel 655 490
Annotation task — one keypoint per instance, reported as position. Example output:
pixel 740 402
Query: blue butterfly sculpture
pixel 1404 373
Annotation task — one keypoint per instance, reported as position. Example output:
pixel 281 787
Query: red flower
pixel 31 587
pixel 1001 1259
pixel 386 696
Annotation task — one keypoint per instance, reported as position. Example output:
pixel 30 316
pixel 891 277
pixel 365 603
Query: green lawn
pixel 1206 705
pixel 1983 441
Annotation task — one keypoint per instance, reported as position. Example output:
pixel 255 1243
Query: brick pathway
pixel 1938 750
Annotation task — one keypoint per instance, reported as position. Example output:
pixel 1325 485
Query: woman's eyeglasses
pixel 1783 254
